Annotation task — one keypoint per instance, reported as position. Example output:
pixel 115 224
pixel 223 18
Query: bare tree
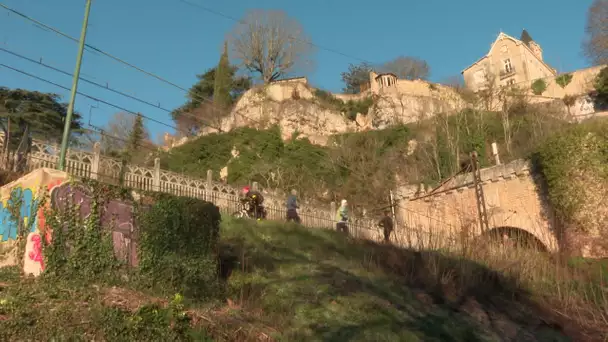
pixel 408 68
pixel 271 44
pixel 204 118
pixel 596 42
pixel 117 134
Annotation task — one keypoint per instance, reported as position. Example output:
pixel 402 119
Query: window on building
pixel 511 82
pixel 507 64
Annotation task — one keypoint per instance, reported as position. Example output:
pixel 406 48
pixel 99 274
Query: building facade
pixel 509 61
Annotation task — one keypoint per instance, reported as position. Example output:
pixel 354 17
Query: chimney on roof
pixel 526 38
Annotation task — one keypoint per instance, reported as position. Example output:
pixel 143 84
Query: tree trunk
pixel 7 142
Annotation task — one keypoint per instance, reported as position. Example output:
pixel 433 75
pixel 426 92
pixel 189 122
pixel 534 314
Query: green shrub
pixel 328 99
pixel 601 87
pixel 563 80
pixel 351 107
pixel 150 322
pixel 178 240
pixel 565 156
pixel 539 86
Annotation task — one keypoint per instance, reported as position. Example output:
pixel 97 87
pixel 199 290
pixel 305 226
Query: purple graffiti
pixel 118 216
pixel 115 215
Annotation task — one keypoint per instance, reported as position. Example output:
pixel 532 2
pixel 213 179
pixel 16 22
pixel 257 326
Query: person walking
pixel 342 217
pixel 292 207
pixel 386 222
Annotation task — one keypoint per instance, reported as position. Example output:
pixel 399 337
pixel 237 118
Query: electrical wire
pixel 105 87
pixel 194 94
pixel 88 96
pixel 353 172
pixel 212 11
pixel 88 46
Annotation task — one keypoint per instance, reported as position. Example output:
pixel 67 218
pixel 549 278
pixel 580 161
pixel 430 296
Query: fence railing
pixel 94 165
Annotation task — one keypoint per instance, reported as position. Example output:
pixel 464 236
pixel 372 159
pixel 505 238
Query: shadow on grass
pixel 318 285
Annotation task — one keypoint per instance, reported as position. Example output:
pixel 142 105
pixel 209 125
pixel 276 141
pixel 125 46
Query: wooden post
pixel 495 153
pixel 95 162
pixel 156 178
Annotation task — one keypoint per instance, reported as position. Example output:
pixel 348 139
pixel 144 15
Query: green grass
pixel 48 309
pixel 315 285
pixel 289 283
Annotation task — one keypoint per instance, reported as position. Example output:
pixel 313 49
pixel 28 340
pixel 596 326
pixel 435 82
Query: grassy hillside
pixel 288 283
pixel 361 166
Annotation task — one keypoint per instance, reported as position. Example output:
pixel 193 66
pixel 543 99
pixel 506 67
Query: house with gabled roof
pixel 509 61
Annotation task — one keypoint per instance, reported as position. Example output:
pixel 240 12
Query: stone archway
pixel 515 237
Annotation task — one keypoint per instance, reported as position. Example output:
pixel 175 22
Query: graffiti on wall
pixel 115 215
pixel 24 198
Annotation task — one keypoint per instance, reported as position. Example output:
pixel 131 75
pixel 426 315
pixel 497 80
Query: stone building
pixel 509 61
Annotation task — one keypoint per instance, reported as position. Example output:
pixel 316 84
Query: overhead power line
pixel 88 46
pixel 106 86
pixel 95 49
pixel 226 16
pixel 196 95
pixel 102 86
pixel 89 96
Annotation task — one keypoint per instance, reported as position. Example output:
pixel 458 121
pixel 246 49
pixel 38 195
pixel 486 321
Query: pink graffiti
pixel 36 253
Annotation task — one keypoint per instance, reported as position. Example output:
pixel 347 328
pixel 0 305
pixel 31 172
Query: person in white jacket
pixel 342 217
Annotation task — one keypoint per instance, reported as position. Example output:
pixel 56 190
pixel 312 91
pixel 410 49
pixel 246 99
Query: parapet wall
pixel 512 197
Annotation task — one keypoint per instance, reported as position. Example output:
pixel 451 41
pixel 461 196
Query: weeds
pixel 316 285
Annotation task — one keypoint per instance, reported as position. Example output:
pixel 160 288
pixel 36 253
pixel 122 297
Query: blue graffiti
pixel 8 226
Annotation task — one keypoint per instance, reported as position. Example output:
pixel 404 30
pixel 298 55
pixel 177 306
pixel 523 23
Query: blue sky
pixel 178 41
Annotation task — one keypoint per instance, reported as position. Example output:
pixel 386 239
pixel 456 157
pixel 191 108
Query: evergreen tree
pixel 136 137
pixel 222 98
pixel 34 115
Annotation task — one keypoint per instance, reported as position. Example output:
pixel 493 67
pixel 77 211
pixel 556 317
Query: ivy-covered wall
pixel 574 163
pixel 92 231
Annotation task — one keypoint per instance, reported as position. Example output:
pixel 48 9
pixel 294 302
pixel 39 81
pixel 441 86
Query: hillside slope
pixel 316 285
pixel 361 166
pixel 288 283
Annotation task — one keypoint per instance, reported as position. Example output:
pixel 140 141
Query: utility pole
pixel 479 196
pixel 68 118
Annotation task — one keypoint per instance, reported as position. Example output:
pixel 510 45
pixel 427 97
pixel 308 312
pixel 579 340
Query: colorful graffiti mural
pixel 115 215
pixel 8 225
pixel 25 193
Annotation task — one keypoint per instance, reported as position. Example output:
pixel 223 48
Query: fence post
pixel 209 180
pixel 95 161
pixel 209 192
pixel 156 178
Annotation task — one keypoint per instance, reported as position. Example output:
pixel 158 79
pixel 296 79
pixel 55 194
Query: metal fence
pixel 93 165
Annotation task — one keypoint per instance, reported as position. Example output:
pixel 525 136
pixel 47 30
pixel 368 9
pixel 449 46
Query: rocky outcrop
pixel 294 107
pixel 297 116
